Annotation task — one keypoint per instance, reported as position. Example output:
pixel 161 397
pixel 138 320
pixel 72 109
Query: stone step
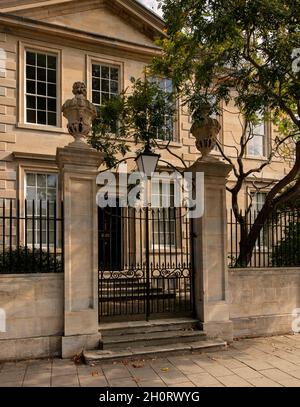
pixel 122 281
pixel 137 296
pixel 112 291
pixel 99 356
pixel 109 284
pixel 153 338
pixel 156 325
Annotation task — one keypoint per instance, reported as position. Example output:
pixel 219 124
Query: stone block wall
pixel 8 80
pixel 33 304
pixel 262 300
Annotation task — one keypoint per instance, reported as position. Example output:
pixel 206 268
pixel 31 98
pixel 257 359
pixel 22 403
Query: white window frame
pixel 36 172
pixel 264 137
pixel 37 51
pixel 107 65
pixel 154 244
pixel 158 79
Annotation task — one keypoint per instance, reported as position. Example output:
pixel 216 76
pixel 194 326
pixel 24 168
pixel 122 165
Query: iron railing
pixel 145 262
pixel 31 236
pixel 278 244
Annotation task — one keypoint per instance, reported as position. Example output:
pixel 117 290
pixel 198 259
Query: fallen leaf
pixel 78 359
pixel 138 365
pixel 95 373
pixel 165 369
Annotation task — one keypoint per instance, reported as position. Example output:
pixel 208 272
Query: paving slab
pixel 262 362
pixel 69 380
pixel 203 379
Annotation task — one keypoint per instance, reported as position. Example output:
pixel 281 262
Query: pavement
pixel 262 362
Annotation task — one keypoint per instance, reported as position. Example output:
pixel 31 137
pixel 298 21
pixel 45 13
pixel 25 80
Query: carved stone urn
pixel 80 114
pixel 205 130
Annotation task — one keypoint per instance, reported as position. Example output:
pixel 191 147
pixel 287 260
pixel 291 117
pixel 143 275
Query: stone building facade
pixel 46 46
pixel 116 35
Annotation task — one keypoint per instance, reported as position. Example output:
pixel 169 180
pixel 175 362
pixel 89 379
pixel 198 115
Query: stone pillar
pixel 78 163
pixel 78 171
pixel 210 251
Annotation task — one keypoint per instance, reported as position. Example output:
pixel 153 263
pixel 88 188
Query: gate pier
pixel 210 251
pixel 78 171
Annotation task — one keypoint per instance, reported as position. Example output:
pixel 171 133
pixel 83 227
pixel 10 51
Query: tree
pixel 287 251
pixel 142 115
pixel 217 51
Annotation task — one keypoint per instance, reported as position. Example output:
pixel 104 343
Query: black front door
pixel 109 238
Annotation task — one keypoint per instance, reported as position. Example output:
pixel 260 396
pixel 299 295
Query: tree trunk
pixel 248 239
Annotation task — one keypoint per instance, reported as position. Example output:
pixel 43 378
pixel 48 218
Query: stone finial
pixel 205 131
pixel 80 114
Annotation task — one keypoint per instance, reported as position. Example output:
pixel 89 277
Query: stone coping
pixel 31 275
pixel 265 270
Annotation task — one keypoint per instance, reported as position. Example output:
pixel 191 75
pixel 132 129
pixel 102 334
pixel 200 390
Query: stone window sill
pixel 38 127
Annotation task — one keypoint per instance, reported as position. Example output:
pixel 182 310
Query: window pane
pixel 114 87
pixel 41 180
pixel 51 194
pixel 41 74
pixel 105 72
pixel 30 72
pixel 31 102
pixel 51 180
pixel 30 87
pixel 96 98
pixel 114 74
pixel 256 146
pixel 52 90
pixel 41 194
pixel 30 193
pixel 30 179
pixel 41 88
pixel 41 60
pixel 104 86
pixel 168 86
pixel 41 103
pixel 51 61
pixel 41 117
pixel 96 84
pixel 51 76
pixel 104 97
pixel 30 58
pixel 51 105
pixel 31 116
pixel 96 70
pixel 52 119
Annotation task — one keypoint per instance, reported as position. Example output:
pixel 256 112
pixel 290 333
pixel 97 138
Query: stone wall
pixel 33 304
pixel 262 300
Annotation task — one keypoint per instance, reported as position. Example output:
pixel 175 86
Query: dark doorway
pixel 110 238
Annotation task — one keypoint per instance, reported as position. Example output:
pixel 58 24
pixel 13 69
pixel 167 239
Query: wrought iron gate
pixel 145 262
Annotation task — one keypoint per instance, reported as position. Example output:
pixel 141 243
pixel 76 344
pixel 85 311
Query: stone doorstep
pixel 157 325
pixel 153 351
pixel 153 338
